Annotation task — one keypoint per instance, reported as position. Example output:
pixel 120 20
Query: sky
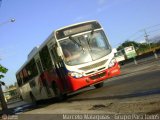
pixel 36 19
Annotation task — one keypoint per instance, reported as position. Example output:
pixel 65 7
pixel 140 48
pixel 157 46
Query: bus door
pixel 42 82
pixel 59 67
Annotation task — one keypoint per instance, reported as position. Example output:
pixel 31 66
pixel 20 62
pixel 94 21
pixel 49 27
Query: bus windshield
pixel 87 47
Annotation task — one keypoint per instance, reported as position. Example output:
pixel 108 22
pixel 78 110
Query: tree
pixel 3 70
pixel 140 47
pixel 128 43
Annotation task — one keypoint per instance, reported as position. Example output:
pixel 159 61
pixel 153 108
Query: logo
pixel 4 117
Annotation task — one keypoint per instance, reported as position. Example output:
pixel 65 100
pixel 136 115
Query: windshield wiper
pixel 89 39
pixel 73 40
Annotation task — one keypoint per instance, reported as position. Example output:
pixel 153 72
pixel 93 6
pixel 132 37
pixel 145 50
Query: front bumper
pixel 78 83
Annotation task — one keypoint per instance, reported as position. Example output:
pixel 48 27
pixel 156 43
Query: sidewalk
pixel 10 109
pixel 131 68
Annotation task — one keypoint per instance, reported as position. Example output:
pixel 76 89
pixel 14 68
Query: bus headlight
pixel 112 63
pixel 75 74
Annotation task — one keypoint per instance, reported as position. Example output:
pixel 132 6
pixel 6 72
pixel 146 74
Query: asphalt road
pixel 144 82
pixel 135 91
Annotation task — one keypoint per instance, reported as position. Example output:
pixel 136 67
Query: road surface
pixel 135 91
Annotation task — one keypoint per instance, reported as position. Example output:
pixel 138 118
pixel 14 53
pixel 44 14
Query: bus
pixel 71 58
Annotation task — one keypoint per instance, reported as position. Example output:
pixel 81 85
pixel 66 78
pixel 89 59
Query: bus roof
pixel 36 51
pixel 76 24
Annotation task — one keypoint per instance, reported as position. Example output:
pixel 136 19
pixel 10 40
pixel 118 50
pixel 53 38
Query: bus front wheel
pixel 33 99
pixel 99 85
pixel 57 92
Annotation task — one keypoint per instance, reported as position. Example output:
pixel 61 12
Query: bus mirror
pixel 59 51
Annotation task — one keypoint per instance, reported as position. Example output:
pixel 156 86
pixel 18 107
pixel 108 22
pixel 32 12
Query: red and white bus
pixel 71 58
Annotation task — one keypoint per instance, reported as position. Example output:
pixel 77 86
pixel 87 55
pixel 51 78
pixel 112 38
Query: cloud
pixel 105 4
pixel 101 2
pixel 101 9
pixel 79 18
pixel 142 41
pixel 102 6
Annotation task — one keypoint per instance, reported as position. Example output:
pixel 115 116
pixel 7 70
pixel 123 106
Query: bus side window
pixel 24 75
pixel 19 81
pixel 45 58
pixel 39 65
pixel 54 55
pixel 21 77
pixel 31 70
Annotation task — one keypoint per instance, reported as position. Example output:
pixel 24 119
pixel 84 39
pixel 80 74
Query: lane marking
pixel 131 74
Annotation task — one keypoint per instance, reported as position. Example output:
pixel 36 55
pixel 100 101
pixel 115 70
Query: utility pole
pixel 147 39
pixel 2 99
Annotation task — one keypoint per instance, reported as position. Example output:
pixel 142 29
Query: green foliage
pixel 3 70
pixel 128 43
pixel 140 47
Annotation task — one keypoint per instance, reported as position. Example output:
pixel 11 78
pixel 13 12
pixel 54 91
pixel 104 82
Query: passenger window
pixel 19 81
pixel 45 58
pixel 39 65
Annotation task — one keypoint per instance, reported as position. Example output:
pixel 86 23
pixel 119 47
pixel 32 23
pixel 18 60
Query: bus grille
pixel 86 68
pixel 98 76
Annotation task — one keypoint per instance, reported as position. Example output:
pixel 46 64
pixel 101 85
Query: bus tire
pixel 20 97
pixel 57 92
pixel 33 99
pixel 99 85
